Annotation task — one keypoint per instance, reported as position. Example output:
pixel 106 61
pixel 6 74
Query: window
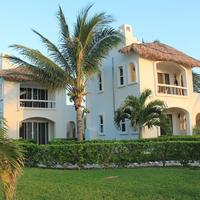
pixel 37 131
pixel 164 78
pixel 132 73
pixel 121 76
pixel 101 124
pixel 123 125
pixel 100 82
pixel 35 97
pixel 33 93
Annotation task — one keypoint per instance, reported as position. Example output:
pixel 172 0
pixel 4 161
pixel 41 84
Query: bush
pixel 105 154
pixel 196 130
pixel 59 141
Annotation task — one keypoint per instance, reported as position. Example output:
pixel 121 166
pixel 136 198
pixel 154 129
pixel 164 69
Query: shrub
pixel 59 141
pixel 105 154
pixel 196 129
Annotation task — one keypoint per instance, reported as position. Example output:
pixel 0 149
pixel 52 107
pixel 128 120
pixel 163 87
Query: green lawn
pixel 122 184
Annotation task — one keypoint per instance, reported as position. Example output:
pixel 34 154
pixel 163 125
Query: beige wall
pixel 14 114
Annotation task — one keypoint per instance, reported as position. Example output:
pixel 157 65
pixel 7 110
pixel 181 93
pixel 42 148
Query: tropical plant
pixel 140 113
pixel 196 82
pixel 11 163
pixel 75 59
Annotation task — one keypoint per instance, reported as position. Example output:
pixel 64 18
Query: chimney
pixel 4 62
pixel 127 31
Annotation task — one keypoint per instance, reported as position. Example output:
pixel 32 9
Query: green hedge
pixel 59 141
pixel 117 153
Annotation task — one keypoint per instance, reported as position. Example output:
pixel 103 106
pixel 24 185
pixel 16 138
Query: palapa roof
pixel 18 74
pixel 154 51
pixel 157 51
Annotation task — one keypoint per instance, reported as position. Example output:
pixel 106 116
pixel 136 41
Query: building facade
pixel 31 110
pixel 130 69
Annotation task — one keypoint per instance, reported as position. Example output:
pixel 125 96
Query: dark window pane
pixel 121 80
pixel 121 72
pixel 22 93
pixel 35 94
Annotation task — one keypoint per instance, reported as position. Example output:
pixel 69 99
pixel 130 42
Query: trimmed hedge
pixel 105 154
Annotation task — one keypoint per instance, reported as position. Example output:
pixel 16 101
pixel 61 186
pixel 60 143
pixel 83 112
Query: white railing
pixel 171 89
pixel 31 103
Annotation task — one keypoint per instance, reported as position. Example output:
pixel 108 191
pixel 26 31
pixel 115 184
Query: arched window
pixel 71 130
pixel 132 73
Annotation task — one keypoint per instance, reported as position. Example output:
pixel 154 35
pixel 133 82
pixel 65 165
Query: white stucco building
pixel 133 67
pixel 31 110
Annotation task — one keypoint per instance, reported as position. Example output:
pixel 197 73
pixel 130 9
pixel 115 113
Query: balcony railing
pixel 30 103
pixel 172 89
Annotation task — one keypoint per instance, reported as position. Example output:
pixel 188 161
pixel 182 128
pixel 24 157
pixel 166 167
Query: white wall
pixel 102 103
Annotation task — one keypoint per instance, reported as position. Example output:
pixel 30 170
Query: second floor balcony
pixel 34 97
pixel 171 79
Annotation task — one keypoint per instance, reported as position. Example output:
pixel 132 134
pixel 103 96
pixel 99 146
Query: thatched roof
pixel 157 51
pixel 16 74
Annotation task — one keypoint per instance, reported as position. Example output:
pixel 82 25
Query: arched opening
pixel 71 130
pixel 132 73
pixel 198 119
pixel 178 120
pixel 171 79
pixel 38 129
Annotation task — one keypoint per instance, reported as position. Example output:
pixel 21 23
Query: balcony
pixel 171 89
pixel 29 103
pixel 171 79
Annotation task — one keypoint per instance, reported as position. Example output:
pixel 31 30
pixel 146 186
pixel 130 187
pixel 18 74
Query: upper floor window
pixel 121 76
pixel 100 82
pixel 132 73
pixel 33 93
pixel 163 78
pixel 35 97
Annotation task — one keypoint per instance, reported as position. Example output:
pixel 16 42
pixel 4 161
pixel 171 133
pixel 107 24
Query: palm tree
pixel 140 113
pixel 75 59
pixel 11 162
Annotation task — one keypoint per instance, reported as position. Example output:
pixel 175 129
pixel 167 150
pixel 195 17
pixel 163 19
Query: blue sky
pixel 174 22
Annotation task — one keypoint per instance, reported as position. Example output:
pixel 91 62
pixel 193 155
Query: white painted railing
pixel 172 89
pixel 31 103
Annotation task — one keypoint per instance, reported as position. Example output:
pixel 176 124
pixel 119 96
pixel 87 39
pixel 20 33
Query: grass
pixel 110 184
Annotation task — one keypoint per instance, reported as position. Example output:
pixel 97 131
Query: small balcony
pixel 29 103
pixel 172 89
pixel 171 79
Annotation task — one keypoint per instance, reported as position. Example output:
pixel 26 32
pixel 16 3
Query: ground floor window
pixel 38 131
pixel 123 125
pixel 101 124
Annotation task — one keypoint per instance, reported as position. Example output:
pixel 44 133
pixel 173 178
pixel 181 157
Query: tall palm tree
pixel 11 163
pixel 140 113
pixel 75 59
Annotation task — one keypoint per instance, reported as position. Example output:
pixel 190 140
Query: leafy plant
pixel 11 162
pixel 140 113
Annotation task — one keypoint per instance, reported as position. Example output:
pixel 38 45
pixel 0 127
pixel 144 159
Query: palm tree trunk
pixel 140 132
pixel 79 122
